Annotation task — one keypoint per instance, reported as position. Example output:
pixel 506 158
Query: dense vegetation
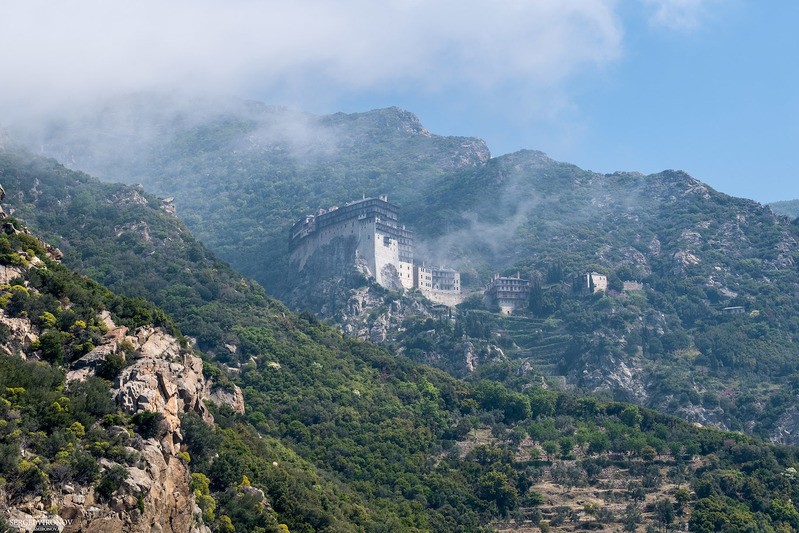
pixel 119 236
pixel 52 432
pixel 695 250
pixel 274 343
pixel 241 173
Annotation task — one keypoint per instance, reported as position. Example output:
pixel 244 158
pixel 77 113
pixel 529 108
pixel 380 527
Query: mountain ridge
pixel 375 425
pixel 695 250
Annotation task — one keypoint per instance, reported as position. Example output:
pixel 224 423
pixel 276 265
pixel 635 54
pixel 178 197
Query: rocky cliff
pixel 144 484
pixel 162 378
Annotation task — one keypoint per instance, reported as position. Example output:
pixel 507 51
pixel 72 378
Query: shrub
pixel 52 345
pixel 148 424
pixel 111 367
pixel 84 468
pixel 111 481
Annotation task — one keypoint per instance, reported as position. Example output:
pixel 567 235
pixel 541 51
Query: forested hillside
pixel 341 435
pixel 242 172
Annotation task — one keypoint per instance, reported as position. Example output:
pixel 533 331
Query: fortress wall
pixel 449 298
pixel 383 249
pixel 508 305
pixel 362 230
pixel 378 252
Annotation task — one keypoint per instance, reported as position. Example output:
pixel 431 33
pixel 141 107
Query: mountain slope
pixel 91 410
pixel 671 345
pixel 242 173
pixel 250 170
pixel 377 441
pixel 301 380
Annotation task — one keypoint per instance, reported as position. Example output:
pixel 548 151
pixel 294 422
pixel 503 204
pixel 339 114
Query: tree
pixel 494 486
pixel 664 512
pixel 631 416
pixel 550 447
pixel 632 517
pixel 149 424
pixel 51 343
pixel 111 481
pixel 720 514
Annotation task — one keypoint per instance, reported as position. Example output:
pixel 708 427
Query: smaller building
pixel 441 285
pixel 446 279
pixel 596 282
pixel 509 293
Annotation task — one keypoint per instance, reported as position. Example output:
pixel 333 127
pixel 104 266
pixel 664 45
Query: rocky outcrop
pixel 369 315
pixel 167 386
pixel 155 495
pixel 19 334
pixel 786 430
pixel 623 380
pixel 228 395
pixel 9 272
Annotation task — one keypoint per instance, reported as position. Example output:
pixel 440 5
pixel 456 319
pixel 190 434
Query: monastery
pixel 383 247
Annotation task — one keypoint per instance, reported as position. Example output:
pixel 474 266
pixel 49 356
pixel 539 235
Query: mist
pixel 305 54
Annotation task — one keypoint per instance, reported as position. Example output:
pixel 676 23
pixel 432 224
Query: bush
pixel 111 481
pixel 111 367
pixel 51 344
pixel 85 468
pixel 149 425
pixel 90 400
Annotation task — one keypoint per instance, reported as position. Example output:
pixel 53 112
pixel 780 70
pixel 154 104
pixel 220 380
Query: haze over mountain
pixel 643 84
pixel 788 208
pixel 333 435
pixel 241 173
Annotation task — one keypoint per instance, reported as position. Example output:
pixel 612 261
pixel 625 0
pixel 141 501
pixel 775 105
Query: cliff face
pixel 159 376
pixel 155 494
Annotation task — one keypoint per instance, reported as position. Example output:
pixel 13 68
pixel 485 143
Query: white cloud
pixel 679 14
pixel 56 51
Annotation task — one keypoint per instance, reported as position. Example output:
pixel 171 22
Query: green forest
pixel 342 435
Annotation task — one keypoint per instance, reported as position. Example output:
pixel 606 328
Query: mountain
pixel 241 173
pixel 788 208
pixel 94 388
pixel 335 435
pixel 301 380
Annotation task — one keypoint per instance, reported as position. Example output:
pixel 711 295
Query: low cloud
pixel 294 52
pixel 681 15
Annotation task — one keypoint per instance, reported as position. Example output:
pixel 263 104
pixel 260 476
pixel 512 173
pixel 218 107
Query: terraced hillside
pixel 540 343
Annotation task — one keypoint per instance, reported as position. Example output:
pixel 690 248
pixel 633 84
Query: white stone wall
pixel 406 274
pixel 423 278
pixel 379 253
pixel 631 286
pixel 385 252
pixel 362 230
pixel 600 281
pixel 506 307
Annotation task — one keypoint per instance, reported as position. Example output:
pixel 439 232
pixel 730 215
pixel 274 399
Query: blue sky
pixel 706 86
pixel 714 92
